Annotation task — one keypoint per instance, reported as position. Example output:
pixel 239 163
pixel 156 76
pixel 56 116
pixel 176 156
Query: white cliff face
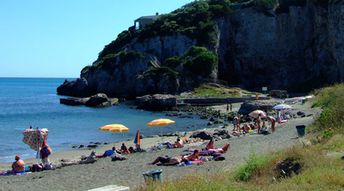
pixel 298 47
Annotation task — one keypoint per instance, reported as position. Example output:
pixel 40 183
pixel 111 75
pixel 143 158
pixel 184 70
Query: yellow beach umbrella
pixel 115 128
pixel 161 122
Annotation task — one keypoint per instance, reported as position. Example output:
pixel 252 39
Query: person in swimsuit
pixel 18 166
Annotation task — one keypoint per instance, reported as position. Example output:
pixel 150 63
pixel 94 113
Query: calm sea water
pixel 33 102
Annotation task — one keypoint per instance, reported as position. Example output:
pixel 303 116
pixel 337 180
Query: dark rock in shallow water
pixel 92 146
pixel 81 146
pixel 77 88
pixel 98 100
pixel 73 101
pixel 203 117
pixel 157 102
pixel 101 100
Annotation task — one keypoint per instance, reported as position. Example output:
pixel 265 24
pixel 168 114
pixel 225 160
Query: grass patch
pixel 331 99
pixel 252 166
pixel 218 91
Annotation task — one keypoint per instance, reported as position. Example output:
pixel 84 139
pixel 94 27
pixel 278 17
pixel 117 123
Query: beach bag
pixel 219 158
pixel 37 168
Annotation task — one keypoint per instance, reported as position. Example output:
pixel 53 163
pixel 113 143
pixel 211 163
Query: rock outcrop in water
pixel 297 45
pixel 98 100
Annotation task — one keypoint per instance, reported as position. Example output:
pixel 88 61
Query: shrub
pixel 331 99
pixel 200 60
pixel 173 62
pixel 159 71
pixel 254 162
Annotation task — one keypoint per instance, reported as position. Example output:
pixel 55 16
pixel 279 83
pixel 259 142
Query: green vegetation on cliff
pixel 197 61
pixel 195 20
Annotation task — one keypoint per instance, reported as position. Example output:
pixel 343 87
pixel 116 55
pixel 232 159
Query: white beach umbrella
pixel 282 107
pixel 257 113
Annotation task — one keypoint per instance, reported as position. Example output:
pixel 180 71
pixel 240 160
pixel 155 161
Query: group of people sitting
pixel 258 124
pixel 195 157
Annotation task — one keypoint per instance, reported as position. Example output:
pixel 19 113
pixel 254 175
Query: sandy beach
pixel 129 172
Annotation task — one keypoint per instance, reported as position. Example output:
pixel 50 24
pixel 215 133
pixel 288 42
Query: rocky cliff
pixel 294 45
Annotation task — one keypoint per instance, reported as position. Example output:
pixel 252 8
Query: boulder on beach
pixel 156 102
pixel 249 106
pixel 204 135
pixel 224 134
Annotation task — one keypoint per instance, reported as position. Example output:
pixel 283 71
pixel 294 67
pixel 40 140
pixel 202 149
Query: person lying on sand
pixel 207 152
pixel 193 157
pixel 210 145
pixel 90 159
pixel 167 161
pixel 108 153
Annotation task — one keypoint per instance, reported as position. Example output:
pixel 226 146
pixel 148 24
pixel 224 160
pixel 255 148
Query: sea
pixel 26 102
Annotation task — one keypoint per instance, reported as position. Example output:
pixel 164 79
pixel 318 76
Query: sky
pixel 40 38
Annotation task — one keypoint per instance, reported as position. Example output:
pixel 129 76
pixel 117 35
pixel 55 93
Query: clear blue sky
pixel 57 38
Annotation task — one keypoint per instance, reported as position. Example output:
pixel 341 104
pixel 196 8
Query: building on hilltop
pixel 143 21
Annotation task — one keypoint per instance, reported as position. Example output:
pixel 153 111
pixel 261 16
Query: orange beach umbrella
pixel 115 128
pixel 161 122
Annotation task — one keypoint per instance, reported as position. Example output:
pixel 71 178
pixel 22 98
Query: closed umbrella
pixel 282 107
pixel 257 113
pixel 137 140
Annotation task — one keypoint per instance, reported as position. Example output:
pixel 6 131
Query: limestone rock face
pixel 157 102
pixel 297 46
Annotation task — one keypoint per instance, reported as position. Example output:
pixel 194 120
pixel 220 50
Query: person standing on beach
pixel 45 152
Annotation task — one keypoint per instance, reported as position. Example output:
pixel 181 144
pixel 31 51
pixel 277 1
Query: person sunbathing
pixel 245 128
pixel 18 166
pixel 178 144
pixel 207 152
pixel 108 153
pixel 193 157
pixel 88 160
pixel 167 161
pixel 210 145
